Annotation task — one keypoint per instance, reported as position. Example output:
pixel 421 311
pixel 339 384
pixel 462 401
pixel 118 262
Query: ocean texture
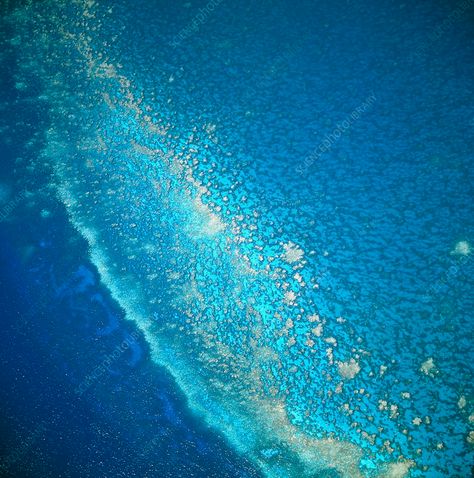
pixel 283 207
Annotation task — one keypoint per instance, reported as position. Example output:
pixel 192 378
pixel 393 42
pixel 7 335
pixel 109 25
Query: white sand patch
pixel 462 248
pixel 394 411
pixel 210 224
pixel 331 340
pixel 318 330
pixel 293 253
pixel 289 297
pixel 348 369
pixel 462 402
pixel 428 367
pixel 398 470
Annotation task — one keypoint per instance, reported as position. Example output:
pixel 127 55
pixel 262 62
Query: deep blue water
pixel 237 239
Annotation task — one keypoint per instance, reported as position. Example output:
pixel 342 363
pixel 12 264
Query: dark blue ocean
pixel 237 239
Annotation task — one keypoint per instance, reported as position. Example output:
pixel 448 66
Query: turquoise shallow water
pixel 284 210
